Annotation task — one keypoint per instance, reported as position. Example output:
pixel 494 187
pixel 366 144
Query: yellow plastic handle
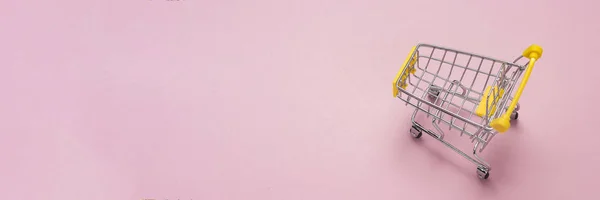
pixel 410 63
pixel 502 123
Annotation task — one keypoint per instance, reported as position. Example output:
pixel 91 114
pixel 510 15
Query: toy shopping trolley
pixel 470 93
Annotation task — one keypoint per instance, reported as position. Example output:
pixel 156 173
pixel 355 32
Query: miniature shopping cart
pixel 469 93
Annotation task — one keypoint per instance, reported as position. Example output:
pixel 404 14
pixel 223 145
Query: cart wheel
pixel 433 92
pixel 514 116
pixel 416 132
pixel 483 173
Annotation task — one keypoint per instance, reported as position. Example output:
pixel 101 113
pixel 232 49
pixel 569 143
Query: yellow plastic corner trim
pixel 533 51
pixel 403 76
pixel 502 123
pixel 491 105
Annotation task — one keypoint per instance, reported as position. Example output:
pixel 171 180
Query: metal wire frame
pixel 435 100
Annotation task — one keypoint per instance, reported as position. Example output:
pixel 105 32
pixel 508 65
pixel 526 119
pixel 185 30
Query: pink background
pixel 272 99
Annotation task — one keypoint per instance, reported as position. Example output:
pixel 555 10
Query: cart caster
pixel 483 173
pixel 416 132
pixel 514 116
pixel 433 92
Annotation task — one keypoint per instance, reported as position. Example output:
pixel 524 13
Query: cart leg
pixel 417 129
pixel 483 168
